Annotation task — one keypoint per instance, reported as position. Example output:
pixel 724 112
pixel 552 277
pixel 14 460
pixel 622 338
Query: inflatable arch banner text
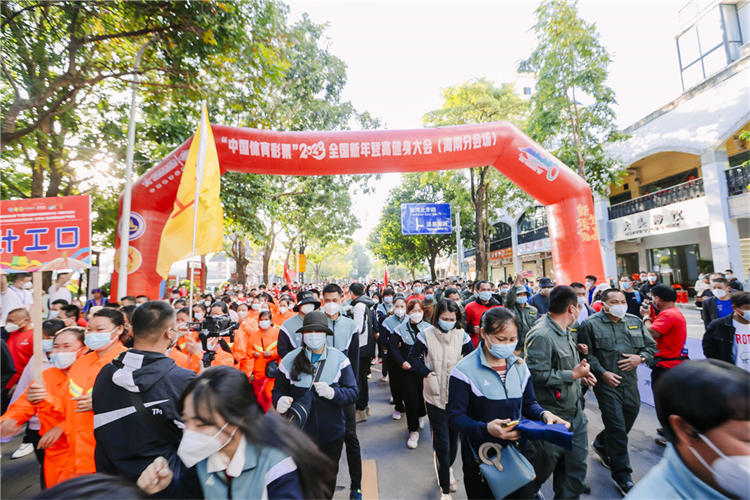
pixel 567 197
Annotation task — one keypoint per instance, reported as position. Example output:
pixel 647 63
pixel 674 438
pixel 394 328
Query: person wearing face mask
pixel 489 389
pixel 651 281
pixel 540 300
pixel 475 309
pixel 720 304
pixel 285 311
pixel 734 283
pixel 702 289
pixel 381 313
pixel 618 343
pixel 362 313
pixel 327 372
pixel 345 338
pixel 387 329
pixel 417 288
pixel 42 401
pixel 703 407
pixel 558 373
pixel 59 289
pixel 409 383
pixel 433 356
pixel 728 338
pixel 31 436
pixel 632 296
pixel 263 344
pixel 102 339
pixel 236 450
pixel 242 349
pixel 517 300
pixel 289 336
pixel 20 341
pixel 148 384
pixel 15 296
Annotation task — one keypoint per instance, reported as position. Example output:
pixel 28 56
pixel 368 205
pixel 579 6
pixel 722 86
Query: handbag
pixel 271 366
pixel 505 470
pixel 300 409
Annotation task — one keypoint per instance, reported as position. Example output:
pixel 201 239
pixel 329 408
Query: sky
pixel 399 55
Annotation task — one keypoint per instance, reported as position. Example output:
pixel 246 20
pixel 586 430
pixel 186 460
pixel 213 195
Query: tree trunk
pixel 480 237
pixel 240 259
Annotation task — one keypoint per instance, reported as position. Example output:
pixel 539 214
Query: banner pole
pixel 36 320
pixel 199 167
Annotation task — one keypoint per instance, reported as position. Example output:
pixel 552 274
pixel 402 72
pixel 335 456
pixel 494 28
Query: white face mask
pixel 314 340
pixel 28 285
pixel 306 308
pixel 399 312
pixel 11 327
pixel 416 317
pixel 62 360
pixel 242 314
pixel 332 308
pixel 53 314
pixel 283 309
pixel 719 293
pixel 265 324
pixel 581 301
pixel 198 316
pixel 255 307
pixel 196 446
pixel 618 310
pixel 730 472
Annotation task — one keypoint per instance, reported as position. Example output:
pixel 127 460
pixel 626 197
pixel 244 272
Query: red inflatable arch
pixel 567 197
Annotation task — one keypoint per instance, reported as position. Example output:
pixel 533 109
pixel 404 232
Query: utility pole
pixel 459 244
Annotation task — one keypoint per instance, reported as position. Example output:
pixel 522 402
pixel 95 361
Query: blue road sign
pixel 426 218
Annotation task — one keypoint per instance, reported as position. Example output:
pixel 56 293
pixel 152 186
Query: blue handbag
pixel 503 469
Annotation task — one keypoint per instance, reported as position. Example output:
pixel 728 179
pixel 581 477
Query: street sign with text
pixel 426 218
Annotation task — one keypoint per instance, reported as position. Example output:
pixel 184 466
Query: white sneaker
pixel 413 440
pixel 26 449
pixel 445 496
pixel 396 415
pixel 454 483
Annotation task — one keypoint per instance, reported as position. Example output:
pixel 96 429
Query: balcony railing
pixel 738 179
pixel 681 192
pixel 533 235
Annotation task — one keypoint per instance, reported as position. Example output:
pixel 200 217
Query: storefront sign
pixel 542 245
pixel 44 234
pixel 503 254
pixel 686 214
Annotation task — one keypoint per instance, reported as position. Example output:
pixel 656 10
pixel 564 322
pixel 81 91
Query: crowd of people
pixel 256 391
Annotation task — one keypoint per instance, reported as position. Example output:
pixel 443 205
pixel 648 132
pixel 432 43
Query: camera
pixel 214 326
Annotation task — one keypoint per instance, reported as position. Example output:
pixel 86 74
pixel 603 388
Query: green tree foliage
pixel 572 111
pixel 392 247
pixel 481 101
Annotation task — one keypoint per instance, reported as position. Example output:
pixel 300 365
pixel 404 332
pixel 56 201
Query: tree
pixel 480 101
pixel 361 263
pixel 571 112
pixel 388 243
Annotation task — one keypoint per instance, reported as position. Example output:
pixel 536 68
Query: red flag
pixel 286 275
pixel 385 278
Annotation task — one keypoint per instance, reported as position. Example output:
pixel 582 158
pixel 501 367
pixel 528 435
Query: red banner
pixel 45 234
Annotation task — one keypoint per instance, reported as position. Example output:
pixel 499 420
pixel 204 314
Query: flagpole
pixel 199 168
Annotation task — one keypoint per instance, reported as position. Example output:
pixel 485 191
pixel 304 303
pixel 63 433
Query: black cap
pixel 305 297
pixel 316 321
pixel 546 283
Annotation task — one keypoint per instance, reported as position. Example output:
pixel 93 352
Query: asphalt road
pixel 393 471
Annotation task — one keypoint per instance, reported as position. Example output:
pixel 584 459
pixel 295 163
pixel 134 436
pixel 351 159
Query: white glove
pixel 284 403
pixel 324 390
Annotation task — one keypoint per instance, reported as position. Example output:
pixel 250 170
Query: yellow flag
pixel 201 174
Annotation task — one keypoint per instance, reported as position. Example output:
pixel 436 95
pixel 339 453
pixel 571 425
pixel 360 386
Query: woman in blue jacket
pixel 488 389
pixel 326 372
pixel 395 317
pixel 237 450
pixel 408 383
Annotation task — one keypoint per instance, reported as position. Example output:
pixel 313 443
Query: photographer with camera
pixel 216 332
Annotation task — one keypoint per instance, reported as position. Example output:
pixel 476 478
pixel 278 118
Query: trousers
pixel 568 467
pixel 364 394
pixel 619 407
pixel 444 442
pixel 395 382
pixel 410 391
pixel 353 453
pixel 332 450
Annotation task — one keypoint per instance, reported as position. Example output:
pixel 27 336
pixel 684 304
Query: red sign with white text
pixel 45 234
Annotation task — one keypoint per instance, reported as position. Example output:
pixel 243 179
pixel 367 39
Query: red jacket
pixel 21 347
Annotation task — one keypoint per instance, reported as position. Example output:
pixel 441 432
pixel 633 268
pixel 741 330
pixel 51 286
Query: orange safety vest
pixel 79 426
pixel 57 457
pixel 180 358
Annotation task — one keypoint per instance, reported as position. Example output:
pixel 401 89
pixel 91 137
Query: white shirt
pixel 741 345
pixel 12 299
pixel 56 293
pixel 233 467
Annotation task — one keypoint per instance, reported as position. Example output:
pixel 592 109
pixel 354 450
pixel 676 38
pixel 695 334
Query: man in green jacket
pixel 618 343
pixel 517 300
pixel 557 374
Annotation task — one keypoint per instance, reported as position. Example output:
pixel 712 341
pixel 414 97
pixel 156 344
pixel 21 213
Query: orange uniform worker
pixel 242 348
pixel 285 312
pixel 102 337
pixel 41 400
pixel 264 347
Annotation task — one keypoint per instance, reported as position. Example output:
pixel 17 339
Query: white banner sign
pixel 535 246
pixel 686 214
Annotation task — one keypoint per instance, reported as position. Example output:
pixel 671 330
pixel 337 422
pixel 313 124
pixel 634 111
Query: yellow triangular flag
pixel 177 235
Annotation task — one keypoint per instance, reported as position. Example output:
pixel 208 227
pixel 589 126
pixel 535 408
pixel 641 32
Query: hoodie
pixel 125 443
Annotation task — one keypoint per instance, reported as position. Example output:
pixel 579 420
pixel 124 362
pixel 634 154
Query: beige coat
pixel 443 354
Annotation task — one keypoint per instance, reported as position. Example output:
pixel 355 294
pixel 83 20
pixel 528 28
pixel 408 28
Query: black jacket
pixel 366 349
pixel 719 338
pixel 127 441
pixel 709 311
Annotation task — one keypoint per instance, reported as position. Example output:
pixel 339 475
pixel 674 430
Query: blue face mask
pixel 429 296
pixel 47 344
pixel 502 351
pixel 314 340
pixel 97 340
pixel 522 299
pixel 446 326
pixel 485 296
pixel 746 315
pixel 417 290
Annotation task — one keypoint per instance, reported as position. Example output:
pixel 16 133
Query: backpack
pixel 368 324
